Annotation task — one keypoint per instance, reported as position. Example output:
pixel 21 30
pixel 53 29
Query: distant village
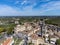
pixel 31 33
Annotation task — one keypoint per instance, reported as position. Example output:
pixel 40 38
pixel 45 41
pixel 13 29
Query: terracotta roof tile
pixel 7 41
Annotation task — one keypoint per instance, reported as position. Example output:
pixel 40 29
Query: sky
pixel 29 7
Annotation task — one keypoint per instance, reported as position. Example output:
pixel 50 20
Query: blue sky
pixel 29 7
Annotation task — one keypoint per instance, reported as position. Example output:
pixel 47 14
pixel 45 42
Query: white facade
pixel 19 28
pixel 53 40
pixel 29 27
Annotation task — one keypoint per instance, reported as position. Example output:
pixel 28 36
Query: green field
pixel 54 21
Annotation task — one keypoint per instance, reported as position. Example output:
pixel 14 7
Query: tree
pixel 58 42
pixel 10 30
pixel 2 30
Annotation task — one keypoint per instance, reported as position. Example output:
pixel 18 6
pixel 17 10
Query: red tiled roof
pixel 7 41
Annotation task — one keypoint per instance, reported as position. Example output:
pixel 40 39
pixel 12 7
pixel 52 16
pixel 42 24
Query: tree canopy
pixel 58 42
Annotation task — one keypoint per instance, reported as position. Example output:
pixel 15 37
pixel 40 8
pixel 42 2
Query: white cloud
pixel 50 6
pixel 17 2
pixel 25 1
pixel 7 10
